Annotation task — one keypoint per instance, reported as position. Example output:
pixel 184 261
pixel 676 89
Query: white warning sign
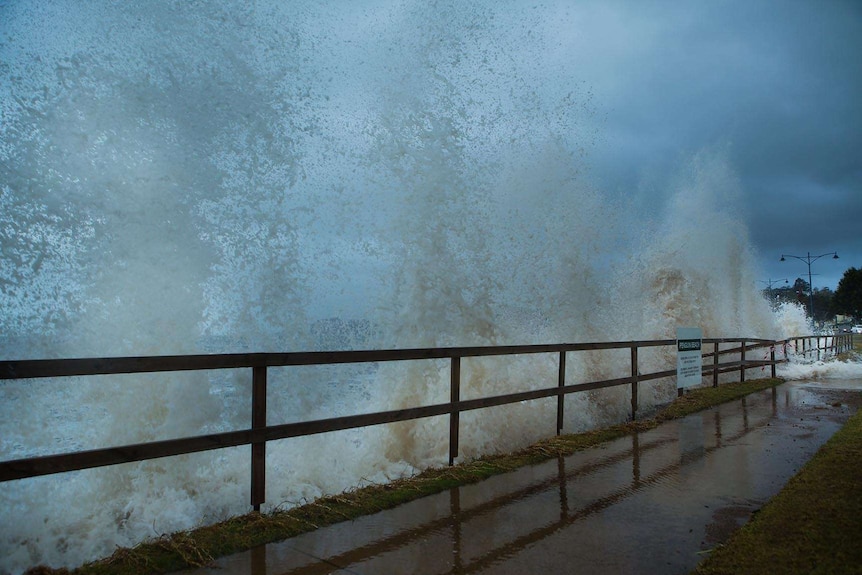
pixel 689 361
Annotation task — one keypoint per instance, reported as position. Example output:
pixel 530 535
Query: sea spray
pixel 286 177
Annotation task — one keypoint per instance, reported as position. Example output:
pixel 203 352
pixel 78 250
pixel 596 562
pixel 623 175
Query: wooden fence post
pixel 715 365
pixel 454 414
pixel 742 360
pixel 258 449
pixel 772 359
pixel 635 373
pixel 561 399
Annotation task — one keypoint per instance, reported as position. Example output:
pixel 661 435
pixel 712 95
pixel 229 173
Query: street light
pixel 809 259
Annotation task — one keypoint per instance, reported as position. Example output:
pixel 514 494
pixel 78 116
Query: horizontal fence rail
pixel 745 354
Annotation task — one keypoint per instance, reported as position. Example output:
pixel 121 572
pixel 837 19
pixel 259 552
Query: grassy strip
pixel 200 546
pixel 814 525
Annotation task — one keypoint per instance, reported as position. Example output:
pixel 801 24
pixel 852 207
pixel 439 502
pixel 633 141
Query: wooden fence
pixel 744 354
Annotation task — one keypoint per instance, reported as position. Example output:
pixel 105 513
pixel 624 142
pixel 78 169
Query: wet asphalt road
pixel 651 503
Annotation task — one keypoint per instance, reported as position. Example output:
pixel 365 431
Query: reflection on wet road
pixel 649 503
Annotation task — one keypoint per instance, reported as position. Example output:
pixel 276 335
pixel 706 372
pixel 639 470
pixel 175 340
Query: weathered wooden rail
pixel 741 359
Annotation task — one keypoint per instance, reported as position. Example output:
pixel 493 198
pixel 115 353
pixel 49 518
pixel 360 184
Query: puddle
pixel 650 503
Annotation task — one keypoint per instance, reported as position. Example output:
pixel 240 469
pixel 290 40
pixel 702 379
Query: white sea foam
pixel 293 177
pixel 821 370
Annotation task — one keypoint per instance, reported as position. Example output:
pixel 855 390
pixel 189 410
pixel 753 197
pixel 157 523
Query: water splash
pixel 800 368
pixel 276 176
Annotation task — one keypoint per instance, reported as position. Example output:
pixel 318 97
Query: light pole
pixel 809 259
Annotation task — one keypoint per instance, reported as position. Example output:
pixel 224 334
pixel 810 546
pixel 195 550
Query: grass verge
pixel 813 525
pixel 200 546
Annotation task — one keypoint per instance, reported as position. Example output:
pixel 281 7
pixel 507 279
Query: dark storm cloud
pixel 778 83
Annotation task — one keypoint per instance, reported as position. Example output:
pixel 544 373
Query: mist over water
pixel 290 177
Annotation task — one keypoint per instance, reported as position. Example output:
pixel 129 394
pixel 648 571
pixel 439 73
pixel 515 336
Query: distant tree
pixel 824 300
pixel 801 287
pixel 789 293
pixel 848 296
pixel 799 292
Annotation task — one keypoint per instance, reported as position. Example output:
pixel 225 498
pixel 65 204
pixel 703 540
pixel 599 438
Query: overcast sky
pixel 778 84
